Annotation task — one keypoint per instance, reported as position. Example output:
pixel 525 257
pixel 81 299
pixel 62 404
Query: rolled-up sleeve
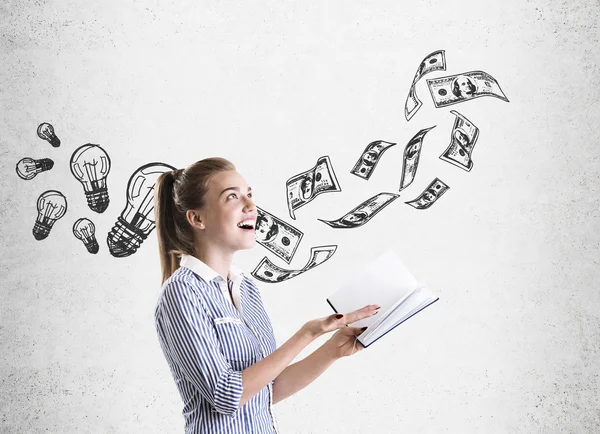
pixel 190 339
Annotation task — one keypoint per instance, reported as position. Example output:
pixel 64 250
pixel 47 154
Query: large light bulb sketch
pixel 90 165
pixel 137 219
pixel 45 131
pixel 27 167
pixel 51 205
pixel 85 230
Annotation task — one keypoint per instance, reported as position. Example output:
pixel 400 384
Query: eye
pixel 250 194
pixel 231 194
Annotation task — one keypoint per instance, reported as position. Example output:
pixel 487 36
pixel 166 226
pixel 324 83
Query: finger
pixel 359 314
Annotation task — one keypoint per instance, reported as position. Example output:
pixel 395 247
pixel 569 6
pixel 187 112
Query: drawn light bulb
pixel 85 230
pixel 90 165
pixel 137 219
pixel 51 205
pixel 27 167
pixel 45 131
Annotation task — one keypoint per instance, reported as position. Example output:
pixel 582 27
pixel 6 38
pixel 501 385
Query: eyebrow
pixel 233 188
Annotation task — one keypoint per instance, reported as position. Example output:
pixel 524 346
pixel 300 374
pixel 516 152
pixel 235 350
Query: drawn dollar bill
pixel 366 164
pixel 435 61
pixel 276 235
pixel 431 194
pixel 267 271
pixel 410 161
pixel 363 212
pixel 462 141
pixel 457 88
pixel 304 187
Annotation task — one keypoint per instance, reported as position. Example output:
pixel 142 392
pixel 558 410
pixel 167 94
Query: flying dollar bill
pixel 366 164
pixel 432 193
pixel 267 271
pixel 304 187
pixel 462 141
pixel 435 61
pixel 410 161
pixel 276 235
pixel 457 88
pixel 363 212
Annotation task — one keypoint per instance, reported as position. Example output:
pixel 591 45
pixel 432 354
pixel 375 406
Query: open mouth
pixel 246 225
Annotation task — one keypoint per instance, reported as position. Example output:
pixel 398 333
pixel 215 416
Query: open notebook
pixel 387 283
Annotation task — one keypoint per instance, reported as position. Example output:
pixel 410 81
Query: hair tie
pixel 177 173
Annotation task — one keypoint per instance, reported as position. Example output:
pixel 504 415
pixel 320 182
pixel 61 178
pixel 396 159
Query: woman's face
pixel 228 203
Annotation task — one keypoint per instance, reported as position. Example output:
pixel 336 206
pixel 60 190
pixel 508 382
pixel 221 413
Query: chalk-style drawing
pixel 453 89
pixel 137 218
pixel 462 141
pixel 367 162
pixel 51 206
pixel 45 131
pixel 363 212
pixel 90 165
pixel 27 167
pixel 410 160
pixel 268 272
pixel 430 195
pixel 304 187
pixel 435 61
pixel 276 235
pixel 85 230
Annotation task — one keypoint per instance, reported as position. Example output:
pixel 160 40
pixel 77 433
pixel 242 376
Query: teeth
pixel 247 223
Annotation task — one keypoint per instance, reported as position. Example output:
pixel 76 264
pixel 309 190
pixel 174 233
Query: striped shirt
pixel 208 342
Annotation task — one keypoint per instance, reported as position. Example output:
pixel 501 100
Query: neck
pixel 217 260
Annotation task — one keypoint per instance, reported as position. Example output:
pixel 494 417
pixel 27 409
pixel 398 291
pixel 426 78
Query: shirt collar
pixel 207 273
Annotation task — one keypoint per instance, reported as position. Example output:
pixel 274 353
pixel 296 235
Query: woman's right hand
pixel 320 326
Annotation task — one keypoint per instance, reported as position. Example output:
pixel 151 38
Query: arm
pixel 263 372
pixel 187 335
pixel 299 375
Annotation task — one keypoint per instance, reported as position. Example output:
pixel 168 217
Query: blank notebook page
pixel 382 282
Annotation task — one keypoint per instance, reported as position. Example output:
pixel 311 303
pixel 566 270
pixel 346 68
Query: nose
pixel 249 205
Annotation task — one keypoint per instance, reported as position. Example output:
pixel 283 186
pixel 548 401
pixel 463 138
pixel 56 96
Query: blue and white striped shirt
pixel 208 342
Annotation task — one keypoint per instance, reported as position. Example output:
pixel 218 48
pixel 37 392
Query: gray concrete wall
pixel 512 249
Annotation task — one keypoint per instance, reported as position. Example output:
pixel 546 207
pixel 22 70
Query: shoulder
pixel 182 285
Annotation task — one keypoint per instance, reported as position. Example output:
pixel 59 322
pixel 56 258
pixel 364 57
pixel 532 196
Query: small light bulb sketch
pixel 27 167
pixel 85 230
pixel 45 131
pixel 51 205
pixel 137 219
pixel 90 165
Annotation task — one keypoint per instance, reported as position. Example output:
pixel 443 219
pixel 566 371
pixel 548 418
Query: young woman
pixel 210 319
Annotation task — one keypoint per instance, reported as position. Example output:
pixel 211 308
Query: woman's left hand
pixel 344 343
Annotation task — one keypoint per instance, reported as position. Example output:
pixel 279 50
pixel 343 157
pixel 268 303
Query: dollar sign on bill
pixel 304 187
pixel 363 212
pixel 410 160
pixel 457 88
pixel 366 164
pixel 432 193
pixel 435 61
pixel 462 141
pixel 276 235
pixel 267 271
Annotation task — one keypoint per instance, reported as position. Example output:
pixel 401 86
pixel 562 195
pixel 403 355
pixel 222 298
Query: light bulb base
pixel 98 199
pixel 44 164
pixel 124 239
pixel 91 244
pixel 41 230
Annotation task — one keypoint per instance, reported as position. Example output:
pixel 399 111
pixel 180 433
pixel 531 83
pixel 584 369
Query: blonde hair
pixel 177 192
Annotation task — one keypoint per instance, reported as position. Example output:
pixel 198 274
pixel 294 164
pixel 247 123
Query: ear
pixel 194 218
